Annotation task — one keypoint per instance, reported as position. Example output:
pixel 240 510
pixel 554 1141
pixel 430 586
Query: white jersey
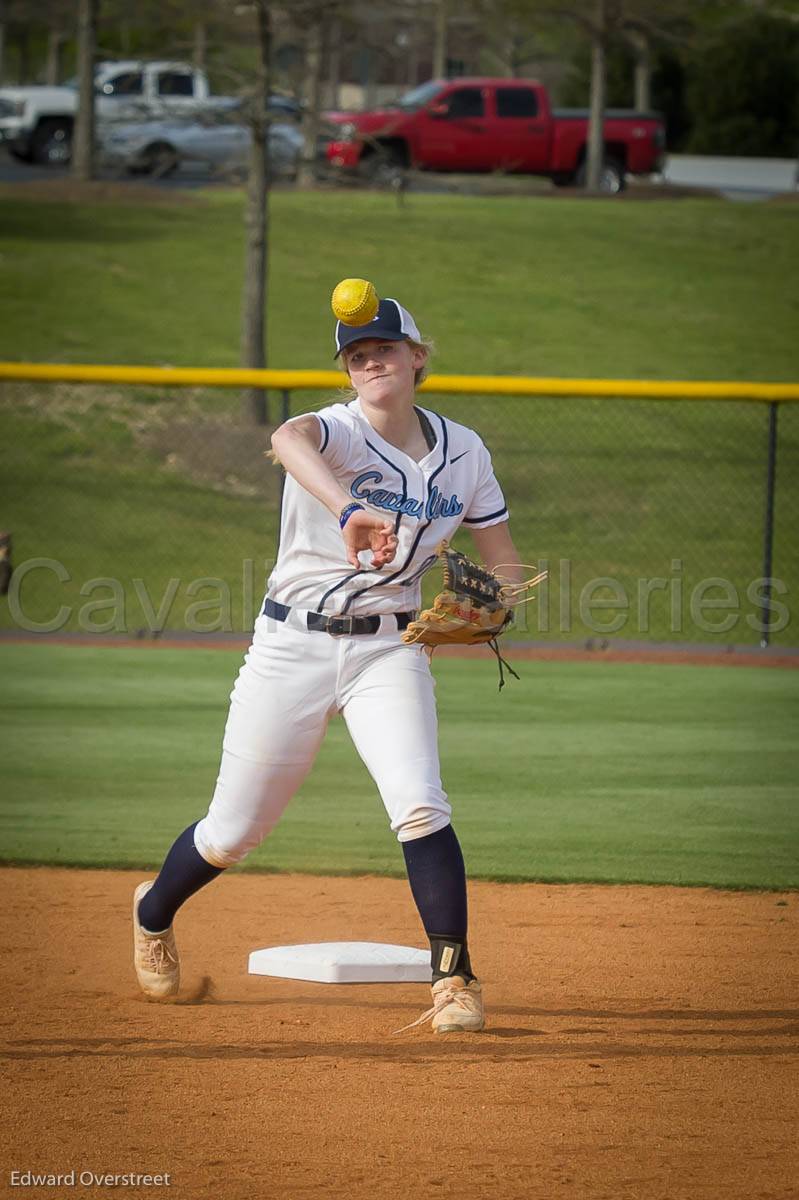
pixel 454 484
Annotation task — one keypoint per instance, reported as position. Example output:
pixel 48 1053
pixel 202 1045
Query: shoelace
pixel 159 955
pixel 444 998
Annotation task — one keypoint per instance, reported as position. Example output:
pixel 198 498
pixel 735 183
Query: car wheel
pixel 51 144
pixel 158 160
pixel 611 179
pixel 384 168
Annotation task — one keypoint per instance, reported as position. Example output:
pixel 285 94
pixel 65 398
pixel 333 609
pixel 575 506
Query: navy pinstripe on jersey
pixel 418 538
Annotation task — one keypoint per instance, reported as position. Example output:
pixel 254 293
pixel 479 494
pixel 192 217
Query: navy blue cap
pixel 393 323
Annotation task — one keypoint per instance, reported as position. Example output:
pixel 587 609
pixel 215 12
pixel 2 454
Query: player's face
pixel 383 371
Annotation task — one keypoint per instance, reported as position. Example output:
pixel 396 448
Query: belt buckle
pixel 347 622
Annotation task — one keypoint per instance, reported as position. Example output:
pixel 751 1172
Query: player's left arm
pixel 496 549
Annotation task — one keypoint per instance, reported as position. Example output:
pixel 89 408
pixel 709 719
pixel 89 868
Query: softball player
pixel 372 487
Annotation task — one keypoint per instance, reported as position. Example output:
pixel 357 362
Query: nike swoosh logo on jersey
pixel 457 456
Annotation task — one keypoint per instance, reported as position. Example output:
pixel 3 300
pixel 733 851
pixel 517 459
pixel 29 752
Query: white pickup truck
pixel 36 122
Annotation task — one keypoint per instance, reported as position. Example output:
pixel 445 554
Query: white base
pixel 344 962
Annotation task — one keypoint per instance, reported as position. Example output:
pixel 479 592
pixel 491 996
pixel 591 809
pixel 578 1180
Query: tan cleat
pixel 155 955
pixel 457 1007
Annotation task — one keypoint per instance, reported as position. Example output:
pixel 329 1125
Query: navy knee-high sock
pixel 184 872
pixel 438 882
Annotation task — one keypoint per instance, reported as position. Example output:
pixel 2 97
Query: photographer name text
pixel 88 1179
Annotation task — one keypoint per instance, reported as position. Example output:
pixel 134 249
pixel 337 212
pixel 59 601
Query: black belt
pixel 337 626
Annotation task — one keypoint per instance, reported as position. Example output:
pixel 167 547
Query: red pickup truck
pixel 483 125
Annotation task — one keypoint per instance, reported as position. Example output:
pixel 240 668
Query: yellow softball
pixel 354 302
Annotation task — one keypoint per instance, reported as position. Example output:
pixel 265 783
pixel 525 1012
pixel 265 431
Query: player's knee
pixel 223 846
pixel 421 819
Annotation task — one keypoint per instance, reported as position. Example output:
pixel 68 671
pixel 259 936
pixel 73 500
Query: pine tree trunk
pixel 55 41
pixel 369 82
pixel 643 71
pixel 412 62
pixel 83 134
pixel 23 42
pixel 333 62
pixel 598 93
pixel 306 175
pixel 256 218
pixel 440 41
pixel 200 48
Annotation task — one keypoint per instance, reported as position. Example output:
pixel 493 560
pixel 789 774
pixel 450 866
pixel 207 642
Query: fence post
pixel 285 413
pixel 768 527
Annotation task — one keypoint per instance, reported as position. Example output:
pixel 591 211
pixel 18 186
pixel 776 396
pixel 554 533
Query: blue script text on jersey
pixel 437 505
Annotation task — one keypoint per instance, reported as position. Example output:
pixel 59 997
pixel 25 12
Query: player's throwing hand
pixel 364 530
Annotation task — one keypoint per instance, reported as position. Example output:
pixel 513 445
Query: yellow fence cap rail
pixel 487 385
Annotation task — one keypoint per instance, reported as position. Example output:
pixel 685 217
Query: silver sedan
pixel 158 147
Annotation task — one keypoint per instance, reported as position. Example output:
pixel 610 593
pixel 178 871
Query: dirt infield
pixel 642 1043
pixel 599 652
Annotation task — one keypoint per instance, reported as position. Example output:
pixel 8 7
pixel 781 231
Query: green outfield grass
pixel 121 484
pixel 592 772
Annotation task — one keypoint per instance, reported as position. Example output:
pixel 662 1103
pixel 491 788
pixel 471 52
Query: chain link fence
pixel 135 511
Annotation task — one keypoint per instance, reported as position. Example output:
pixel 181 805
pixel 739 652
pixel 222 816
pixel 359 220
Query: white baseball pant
pixel 292 682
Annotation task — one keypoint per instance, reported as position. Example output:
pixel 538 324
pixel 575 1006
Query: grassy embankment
pixel 127 483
